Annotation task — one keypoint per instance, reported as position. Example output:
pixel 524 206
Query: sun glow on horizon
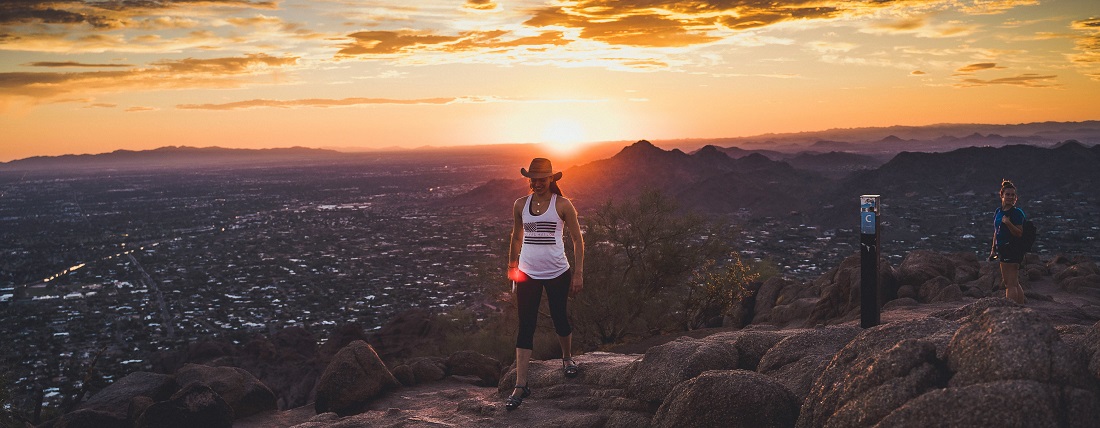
pixel 564 135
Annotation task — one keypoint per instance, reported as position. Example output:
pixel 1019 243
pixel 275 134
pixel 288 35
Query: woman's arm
pixel 1015 230
pixel 516 242
pixel 569 216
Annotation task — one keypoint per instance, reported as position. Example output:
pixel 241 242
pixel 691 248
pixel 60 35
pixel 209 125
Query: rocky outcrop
pixel 797 360
pixel 355 376
pixel 984 362
pixel 734 399
pixel 840 291
pixel 470 363
pixel 665 366
pixel 940 367
pixel 196 405
pixel 115 398
pixel 243 392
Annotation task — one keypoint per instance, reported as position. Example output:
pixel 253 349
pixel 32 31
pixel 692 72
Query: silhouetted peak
pixel 974 136
pixel 1070 145
pixel 709 151
pixel 642 148
pixel 891 139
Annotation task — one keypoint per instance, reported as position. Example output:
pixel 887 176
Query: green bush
pixel 639 254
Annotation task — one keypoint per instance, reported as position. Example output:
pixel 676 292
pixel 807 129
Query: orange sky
pixel 95 76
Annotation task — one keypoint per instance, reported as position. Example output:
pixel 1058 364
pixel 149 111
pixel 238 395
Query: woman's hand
pixel 577 284
pixel 1006 220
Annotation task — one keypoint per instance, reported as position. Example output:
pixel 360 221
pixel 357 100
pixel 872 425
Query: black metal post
pixel 868 256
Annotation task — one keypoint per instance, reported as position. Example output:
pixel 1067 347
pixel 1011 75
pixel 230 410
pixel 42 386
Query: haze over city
pixel 93 76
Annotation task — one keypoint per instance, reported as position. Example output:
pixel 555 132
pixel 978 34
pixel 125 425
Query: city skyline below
pixel 84 77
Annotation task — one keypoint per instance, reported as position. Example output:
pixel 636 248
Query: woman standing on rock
pixel 1008 224
pixel 536 261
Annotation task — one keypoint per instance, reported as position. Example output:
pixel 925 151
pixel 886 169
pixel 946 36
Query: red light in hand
pixel 516 275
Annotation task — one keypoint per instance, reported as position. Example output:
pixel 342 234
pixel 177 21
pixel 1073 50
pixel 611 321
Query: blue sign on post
pixel 867 223
pixel 869 209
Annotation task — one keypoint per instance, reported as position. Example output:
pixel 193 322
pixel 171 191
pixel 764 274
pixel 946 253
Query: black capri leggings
pixel 528 298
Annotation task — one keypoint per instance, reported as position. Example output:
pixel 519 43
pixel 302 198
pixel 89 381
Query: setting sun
pixel 564 135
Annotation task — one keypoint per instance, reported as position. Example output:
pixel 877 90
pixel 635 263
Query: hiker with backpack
pixel 1008 243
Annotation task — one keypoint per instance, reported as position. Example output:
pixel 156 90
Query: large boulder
pixel 1011 343
pixel 195 405
pixel 412 332
pixel 882 368
pixel 840 290
pixel 919 266
pixel 733 398
pixel 470 363
pixel 767 297
pixel 967 267
pixel 355 376
pixel 751 344
pixel 665 366
pixel 115 398
pixel 421 370
pixel 242 391
pixel 797 360
pixel 1016 403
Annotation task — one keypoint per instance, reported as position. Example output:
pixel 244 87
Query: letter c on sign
pixel 867 223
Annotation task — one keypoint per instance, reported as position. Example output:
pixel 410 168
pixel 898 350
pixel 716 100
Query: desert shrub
pixel 638 255
pixel 718 287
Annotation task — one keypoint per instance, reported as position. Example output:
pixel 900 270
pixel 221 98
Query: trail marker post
pixel 869 213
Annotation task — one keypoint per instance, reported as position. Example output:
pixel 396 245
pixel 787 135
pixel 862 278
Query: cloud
pixel 101 105
pixel 1023 80
pixel 1087 45
pixel 223 66
pixel 917 73
pixel 978 67
pixel 313 102
pixel 139 109
pixel 74 64
pixel 993 7
pixel 103 14
pixel 229 72
pixel 369 44
pixel 480 4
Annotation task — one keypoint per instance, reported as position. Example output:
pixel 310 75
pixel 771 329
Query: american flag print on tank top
pixel 543 253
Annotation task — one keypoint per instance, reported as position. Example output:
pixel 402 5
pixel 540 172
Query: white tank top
pixel 543 253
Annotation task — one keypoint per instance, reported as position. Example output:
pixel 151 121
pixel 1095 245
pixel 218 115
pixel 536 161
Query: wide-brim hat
pixel 540 168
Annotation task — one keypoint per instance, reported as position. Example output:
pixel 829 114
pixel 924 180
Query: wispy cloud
pixel 313 102
pixel 480 4
pixel 226 72
pixel 59 64
pixel 978 67
pixel 1087 46
pixel 992 7
pixel 1023 80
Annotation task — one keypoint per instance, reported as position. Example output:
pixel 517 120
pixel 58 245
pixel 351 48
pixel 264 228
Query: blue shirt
pixel 1003 235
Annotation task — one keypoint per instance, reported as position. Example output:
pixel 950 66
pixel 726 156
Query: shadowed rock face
pixel 243 392
pixel 953 368
pixel 354 377
pixel 734 399
pixel 196 405
pixel 665 366
pixel 798 360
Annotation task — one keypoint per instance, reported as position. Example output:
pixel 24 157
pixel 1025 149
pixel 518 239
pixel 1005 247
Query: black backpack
pixel 1028 238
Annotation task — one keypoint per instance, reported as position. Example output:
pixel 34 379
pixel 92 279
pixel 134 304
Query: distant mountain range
pixel 172 156
pixel 710 180
pixel 876 145
pixel 893 139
